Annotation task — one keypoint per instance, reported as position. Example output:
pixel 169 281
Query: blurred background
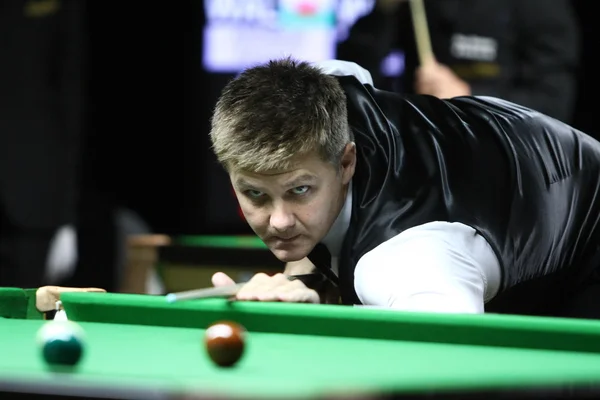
pixel 105 108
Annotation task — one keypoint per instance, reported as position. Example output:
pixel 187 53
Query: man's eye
pixel 254 194
pixel 301 189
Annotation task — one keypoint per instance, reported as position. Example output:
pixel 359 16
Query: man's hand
pixel 47 296
pixel 263 287
pixel 440 81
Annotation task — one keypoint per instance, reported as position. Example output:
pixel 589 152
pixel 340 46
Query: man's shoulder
pixel 499 111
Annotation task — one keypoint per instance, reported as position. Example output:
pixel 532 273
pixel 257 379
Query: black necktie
pixel 321 258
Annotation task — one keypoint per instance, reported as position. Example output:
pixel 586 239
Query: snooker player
pixel 462 205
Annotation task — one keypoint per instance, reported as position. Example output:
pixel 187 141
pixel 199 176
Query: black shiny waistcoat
pixel 526 182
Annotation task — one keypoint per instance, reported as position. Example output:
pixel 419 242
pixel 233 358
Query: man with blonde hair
pixel 465 205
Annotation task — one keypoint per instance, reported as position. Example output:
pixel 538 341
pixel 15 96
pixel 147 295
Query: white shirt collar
pixel 335 237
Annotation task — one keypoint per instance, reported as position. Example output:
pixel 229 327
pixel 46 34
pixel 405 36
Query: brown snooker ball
pixel 225 342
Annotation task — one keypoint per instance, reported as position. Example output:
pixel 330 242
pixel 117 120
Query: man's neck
pixel 335 237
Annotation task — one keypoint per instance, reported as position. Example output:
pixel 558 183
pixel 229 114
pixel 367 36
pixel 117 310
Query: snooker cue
pixel 421 30
pixel 220 291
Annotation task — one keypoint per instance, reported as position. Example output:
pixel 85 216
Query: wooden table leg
pixel 141 259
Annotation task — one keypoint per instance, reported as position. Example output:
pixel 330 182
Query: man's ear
pixel 348 162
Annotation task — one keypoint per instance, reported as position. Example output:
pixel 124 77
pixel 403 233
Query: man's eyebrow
pixel 301 180
pixel 241 182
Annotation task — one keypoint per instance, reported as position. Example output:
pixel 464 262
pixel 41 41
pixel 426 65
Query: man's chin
pixel 289 255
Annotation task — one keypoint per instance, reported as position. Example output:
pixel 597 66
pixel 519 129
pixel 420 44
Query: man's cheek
pixel 246 213
pixel 252 217
pixel 313 216
pixel 240 211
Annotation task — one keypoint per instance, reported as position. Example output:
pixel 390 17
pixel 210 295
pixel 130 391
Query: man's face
pixel 292 210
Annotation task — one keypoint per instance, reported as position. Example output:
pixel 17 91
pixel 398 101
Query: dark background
pixel 150 104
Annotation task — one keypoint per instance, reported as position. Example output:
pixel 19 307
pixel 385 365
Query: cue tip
pixel 171 298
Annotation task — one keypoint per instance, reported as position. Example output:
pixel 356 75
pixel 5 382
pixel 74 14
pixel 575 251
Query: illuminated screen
pixel 243 33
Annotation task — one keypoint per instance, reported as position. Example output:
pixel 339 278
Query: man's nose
pixel 282 218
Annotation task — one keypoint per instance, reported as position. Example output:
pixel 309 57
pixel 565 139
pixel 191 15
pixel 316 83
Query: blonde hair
pixel 271 113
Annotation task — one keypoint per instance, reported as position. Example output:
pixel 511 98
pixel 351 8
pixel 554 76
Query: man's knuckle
pixel 280 277
pixel 297 284
pixel 260 277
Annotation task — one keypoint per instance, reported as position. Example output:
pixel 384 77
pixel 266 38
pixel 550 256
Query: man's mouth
pixel 285 239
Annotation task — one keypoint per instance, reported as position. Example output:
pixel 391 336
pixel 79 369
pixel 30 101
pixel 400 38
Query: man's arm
pixel 437 267
pixel 328 293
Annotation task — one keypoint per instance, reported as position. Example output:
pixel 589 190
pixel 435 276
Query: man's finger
pixel 261 283
pixel 300 295
pixel 221 279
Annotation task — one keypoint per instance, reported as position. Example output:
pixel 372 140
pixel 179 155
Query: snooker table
pixel 141 347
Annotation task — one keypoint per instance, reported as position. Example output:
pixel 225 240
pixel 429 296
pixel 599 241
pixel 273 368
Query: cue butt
pixel 421 31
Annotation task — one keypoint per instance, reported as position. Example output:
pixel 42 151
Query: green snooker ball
pixel 61 343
